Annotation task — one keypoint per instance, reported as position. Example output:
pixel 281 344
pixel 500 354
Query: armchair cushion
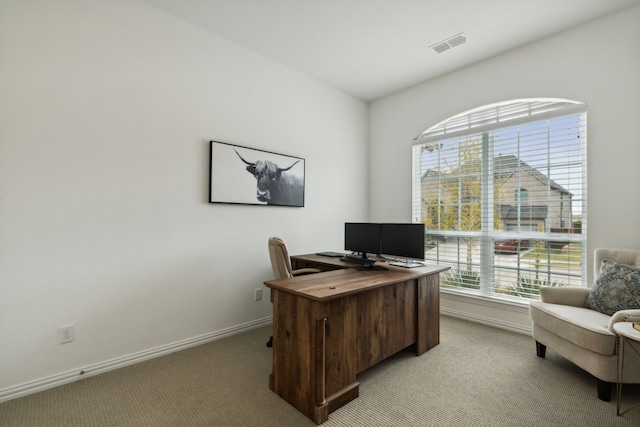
pixel 616 288
pixel 579 325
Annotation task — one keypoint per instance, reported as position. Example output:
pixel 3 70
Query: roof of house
pixel 507 166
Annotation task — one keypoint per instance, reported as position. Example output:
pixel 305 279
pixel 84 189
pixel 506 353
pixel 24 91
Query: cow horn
pixel 249 163
pixel 286 169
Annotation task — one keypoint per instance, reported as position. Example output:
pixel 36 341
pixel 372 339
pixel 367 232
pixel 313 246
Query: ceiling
pixel 371 48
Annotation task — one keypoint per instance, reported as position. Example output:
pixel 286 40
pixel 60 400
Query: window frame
pixel 483 120
pixel 522 195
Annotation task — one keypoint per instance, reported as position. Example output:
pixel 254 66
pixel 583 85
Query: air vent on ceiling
pixel 440 47
pixel 445 45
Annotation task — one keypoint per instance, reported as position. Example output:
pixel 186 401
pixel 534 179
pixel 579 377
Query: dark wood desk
pixel 329 326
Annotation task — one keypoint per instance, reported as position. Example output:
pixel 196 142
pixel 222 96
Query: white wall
pixel 597 63
pixel 106 111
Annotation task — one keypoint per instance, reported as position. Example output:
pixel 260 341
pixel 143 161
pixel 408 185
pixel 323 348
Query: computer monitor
pixel 362 237
pixel 403 240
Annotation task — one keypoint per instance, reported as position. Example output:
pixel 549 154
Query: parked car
pixel 509 245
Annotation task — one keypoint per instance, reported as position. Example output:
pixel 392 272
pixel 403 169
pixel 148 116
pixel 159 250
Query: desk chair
pixel 281 265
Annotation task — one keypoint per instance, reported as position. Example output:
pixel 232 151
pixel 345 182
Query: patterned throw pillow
pixel 616 288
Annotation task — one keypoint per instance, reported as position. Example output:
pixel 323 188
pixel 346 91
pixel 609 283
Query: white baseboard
pixel 120 362
pixel 496 323
pixel 31 387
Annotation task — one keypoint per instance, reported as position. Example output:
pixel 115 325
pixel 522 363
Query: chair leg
pixel 604 390
pixel 541 349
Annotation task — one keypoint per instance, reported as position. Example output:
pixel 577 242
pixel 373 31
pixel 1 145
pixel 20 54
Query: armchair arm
pixel 576 297
pixel 630 315
pixel 303 271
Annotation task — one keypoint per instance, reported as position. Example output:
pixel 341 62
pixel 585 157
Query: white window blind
pixel 502 193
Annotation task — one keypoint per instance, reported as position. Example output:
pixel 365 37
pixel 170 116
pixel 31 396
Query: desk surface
pixel 334 284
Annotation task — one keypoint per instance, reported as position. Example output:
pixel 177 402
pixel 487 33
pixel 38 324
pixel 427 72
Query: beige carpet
pixel 477 376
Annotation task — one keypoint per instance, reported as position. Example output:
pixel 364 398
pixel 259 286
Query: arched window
pixel 466 171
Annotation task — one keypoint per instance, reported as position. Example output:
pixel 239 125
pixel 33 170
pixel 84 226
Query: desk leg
pixel 321 410
pixel 428 307
pixel 299 354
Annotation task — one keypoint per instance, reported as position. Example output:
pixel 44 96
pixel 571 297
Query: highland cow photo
pixel 243 175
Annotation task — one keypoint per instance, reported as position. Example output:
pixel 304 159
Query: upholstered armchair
pixel 577 323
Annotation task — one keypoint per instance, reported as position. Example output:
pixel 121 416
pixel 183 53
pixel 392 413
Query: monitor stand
pixel 407 264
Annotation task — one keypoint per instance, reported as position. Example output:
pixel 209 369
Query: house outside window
pixel 466 171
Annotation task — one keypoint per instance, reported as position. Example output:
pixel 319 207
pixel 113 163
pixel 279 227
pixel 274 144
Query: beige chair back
pixel 280 261
pixel 629 257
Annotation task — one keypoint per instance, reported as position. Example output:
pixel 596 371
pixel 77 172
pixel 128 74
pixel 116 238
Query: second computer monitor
pixel 403 240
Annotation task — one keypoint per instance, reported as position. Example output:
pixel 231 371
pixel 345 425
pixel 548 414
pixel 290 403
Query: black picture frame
pixel 249 176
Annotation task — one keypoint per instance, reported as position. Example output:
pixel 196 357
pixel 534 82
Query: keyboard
pixel 331 254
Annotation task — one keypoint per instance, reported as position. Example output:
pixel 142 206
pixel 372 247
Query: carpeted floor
pixel 477 376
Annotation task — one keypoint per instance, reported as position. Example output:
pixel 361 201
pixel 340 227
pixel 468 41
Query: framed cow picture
pixel 242 175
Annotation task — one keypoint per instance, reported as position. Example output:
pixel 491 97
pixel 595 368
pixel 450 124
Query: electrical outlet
pixel 66 333
pixel 258 295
